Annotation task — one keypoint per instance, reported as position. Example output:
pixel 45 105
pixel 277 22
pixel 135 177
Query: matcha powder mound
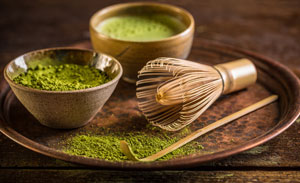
pixel 108 147
pixel 63 77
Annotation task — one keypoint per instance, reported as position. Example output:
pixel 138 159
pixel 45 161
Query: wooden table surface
pixel 269 27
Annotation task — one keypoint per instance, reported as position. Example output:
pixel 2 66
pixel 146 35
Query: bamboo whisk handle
pixel 237 74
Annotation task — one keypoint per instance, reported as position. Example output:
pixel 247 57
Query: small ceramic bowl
pixel 63 109
pixel 133 55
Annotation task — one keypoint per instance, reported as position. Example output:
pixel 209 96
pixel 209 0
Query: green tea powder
pixel 63 77
pixel 108 147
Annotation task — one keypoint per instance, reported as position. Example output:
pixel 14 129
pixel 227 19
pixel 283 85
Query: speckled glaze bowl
pixel 64 109
pixel 133 55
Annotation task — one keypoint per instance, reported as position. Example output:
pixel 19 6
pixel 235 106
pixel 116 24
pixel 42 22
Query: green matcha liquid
pixel 141 27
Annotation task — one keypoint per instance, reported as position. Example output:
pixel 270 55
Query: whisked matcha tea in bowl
pixel 63 87
pixel 135 33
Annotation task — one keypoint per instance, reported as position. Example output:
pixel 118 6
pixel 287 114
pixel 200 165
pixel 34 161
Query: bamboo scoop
pixel 126 150
pixel 172 93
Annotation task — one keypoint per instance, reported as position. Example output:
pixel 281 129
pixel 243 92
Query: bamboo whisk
pixel 172 93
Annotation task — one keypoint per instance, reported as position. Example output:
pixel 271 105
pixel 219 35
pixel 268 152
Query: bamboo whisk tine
pixel 172 93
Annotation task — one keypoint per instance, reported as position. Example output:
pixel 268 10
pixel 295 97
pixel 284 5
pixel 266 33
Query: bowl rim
pixel 19 86
pixel 186 31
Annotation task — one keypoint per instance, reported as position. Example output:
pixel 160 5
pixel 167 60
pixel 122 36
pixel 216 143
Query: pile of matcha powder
pixel 108 146
pixel 63 77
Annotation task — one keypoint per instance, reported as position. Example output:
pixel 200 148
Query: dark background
pixel 269 27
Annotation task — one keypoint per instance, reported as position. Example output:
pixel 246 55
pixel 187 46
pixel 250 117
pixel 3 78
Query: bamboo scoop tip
pixel 126 150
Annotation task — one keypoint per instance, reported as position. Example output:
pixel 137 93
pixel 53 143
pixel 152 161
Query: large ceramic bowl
pixel 63 109
pixel 133 55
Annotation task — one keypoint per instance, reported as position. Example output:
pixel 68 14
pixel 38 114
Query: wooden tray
pixel 121 114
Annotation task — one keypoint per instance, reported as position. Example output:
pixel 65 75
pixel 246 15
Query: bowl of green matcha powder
pixel 63 87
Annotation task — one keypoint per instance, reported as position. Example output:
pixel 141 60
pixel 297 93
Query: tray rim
pixel 179 163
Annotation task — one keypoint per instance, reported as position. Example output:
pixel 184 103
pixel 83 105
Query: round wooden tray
pixel 121 114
